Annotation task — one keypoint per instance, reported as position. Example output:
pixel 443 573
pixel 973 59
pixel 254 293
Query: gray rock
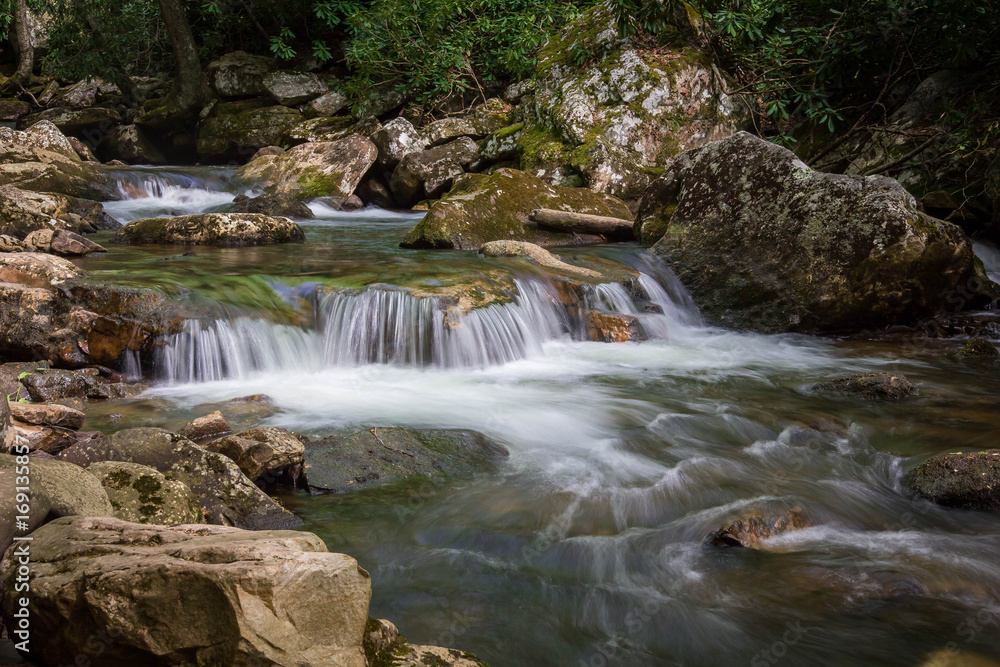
pixel 332 129
pixel 283 204
pixel 239 74
pixel 327 104
pixel 484 120
pixel 395 140
pixel 293 88
pixel 81 94
pixel 230 230
pixel 242 133
pixel 430 174
pixel 375 192
pixel 264 452
pixel 130 144
pixel 141 494
pixel 75 121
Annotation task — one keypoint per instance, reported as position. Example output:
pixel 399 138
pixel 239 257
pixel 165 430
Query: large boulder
pixel 239 74
pixel 141 494
pixel 283 204
pixel 327 104
pixel 60 242
pixel 967 480
pixel 484 120
pixel 495 207
pixel 395 140
pixel 242 133
pixel 23 211
pixel 130 144
pixel 293 88
pixel 119 593
pixel 320 169
pixel 763 242
pixel 76 121
pixel 382 456
pixel 334 128
pixel 230 230
pixel 430 174
pixel 41 159
pixel 228 497
pixel 613 121
pixel 264 453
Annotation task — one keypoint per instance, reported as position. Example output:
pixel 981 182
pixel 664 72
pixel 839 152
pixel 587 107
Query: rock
pixel 752 528
pixel 267 150
pixel 605 327
pixel 41 159
pixel 951 657
pixel 141 494
pixel 283 204
pixel 494 207
pixel 382 456
pixel 47 414
pixel 613 121
pixel 48 93
pixel 430 174
pixel 57 489
pixel 13 109
pixel 229 230
pixel 765 243
pixel 5 421
pixel 331 129
pixel 82 149
pixel 37 270
pixel 293 88
pixel 315 169
pixel 77 121
pixel 966 480
pixel 395 140
pixel 52 385
pixel 373 191
pixel 538 254
pixel 81 94
pixel 243 133
pixel 502 145
pixel 979 348
pixel 10 244
pixel 130 144
pixel 516 91
pixel 327 104
pixel 209 426
pixel 385 646
pixel 208 595
pixel 871 387
pixel 266 452
pixel 60 242
pixel 22 212
pixel 228 497
pixel 239 74
pixel 48 440
pixel 484 120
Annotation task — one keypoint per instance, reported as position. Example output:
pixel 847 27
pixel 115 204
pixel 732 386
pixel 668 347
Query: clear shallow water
pixel 587 547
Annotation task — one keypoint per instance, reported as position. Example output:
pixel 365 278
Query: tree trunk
pixel 583 223
pixel 190 91
pixel 26 64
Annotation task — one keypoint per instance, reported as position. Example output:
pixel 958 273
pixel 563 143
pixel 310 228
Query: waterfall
pixel 387 325
pixel 156 192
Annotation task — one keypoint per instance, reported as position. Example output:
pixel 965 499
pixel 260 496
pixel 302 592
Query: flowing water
pixel 587 547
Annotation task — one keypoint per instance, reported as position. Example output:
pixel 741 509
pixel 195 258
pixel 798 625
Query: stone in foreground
pixel 229 230
pixel 966 480
pixel 754 527
pixel 765 243
pixel 191 595
pixel 141 494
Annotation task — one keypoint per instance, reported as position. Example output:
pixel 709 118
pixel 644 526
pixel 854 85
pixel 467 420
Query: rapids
pixel 587 549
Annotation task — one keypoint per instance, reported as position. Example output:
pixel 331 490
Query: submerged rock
pixel 883 386
pixel 208 595
pixel 605 327
pixel 765 243
pixel 142 494
pixel 979 348
pixel 382 456
pixel 967 480
pixel 536 253
pixel 494 207
pixel 283 204
pixel 230 230
pixel 754 527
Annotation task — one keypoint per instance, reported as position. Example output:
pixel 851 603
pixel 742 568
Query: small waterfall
pixel 156 192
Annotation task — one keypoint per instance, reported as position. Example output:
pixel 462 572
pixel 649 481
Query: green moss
pixel 320 185
pixel 146 486
pixel 118 479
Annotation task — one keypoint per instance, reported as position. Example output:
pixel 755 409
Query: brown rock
pixel 47 414
pixel 752 528
pixel 604 327
pixel 209 426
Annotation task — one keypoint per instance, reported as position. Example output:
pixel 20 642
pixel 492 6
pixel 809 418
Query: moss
pixel 118 479
pixel 319 185
pixel 146 486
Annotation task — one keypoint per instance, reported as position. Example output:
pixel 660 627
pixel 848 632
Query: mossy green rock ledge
pixel 765 243
pixel 230 230
pixel 969 480
pixel 495 207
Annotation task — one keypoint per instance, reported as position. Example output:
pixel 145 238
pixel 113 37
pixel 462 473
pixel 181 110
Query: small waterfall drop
pixel 155 192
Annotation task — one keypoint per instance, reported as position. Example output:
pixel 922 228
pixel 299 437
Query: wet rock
pixel 141 494
pixel 47 414
pixel 765 243
pixel 242 133
pixel 210 426
pixel 966 480
pixel 373 191
pixel 227 495
pixel 53 385
pixel 258 399
pixel 385 646
pixel 239 74
pixel 293 88
pixel 537 253
pixel 494 207
pixel 37 270
pixel 49 439
pixel 60 242
pixel 265 452
pixel 752 528
pixel 314 170
pixel 327 104
pixel 282 204
pixel 979 348
pixel 430 174
pixel 208 595
pixel 382 456
pixel 230 230
pixel 130 144
pixel 605 327
pixel 395 140
pixel 76 121
pixel 883 386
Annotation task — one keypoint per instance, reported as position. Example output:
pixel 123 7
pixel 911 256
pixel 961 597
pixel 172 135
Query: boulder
pixel 141 494
pixel 883 386
pixel 130 144
pixel 374 191
pixel 80 95
pixel 979 348
pixel 501 146
pixel 313 170
pixel 47 414
pixel 13 109
pixel 765 243
pixel 60 242
pixel 395 140
pixel 120 593
pixel 37 270
pixel 242 133
pixel 82 149
pixel 41 159
pixel 494 207
pixel 385 646
pixel 229 230
pixel 293 88
pixel 605 327
pixel 484 120
pixel 430 174
pixel 381 456
pixel 267 150
pixel 613 121
pixel 331 129
pixel 210 426
pixel 751 528
pixel 46 386
pixel 77 121
pixel 266 452
pixel 966 480
pixel 22 212
pixel 239 74
pixel 327 104
pixel 282 204
pixel 10 244
pixel 228 496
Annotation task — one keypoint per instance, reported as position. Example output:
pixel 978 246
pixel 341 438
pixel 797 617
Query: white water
pixel 990 255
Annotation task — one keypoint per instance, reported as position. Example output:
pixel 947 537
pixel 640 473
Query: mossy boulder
pixel 331 129
pixel 979 348
pixel 883 386
pixel 967 480
pixel 283 204
pixel 234 135
pixel 141 494
pixel 431 173
pixel 495 207
pixel 381 456
pixel 231 230
pixel 42 159
pixel 765 243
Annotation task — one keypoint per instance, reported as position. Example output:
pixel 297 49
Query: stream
pixel 587 548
